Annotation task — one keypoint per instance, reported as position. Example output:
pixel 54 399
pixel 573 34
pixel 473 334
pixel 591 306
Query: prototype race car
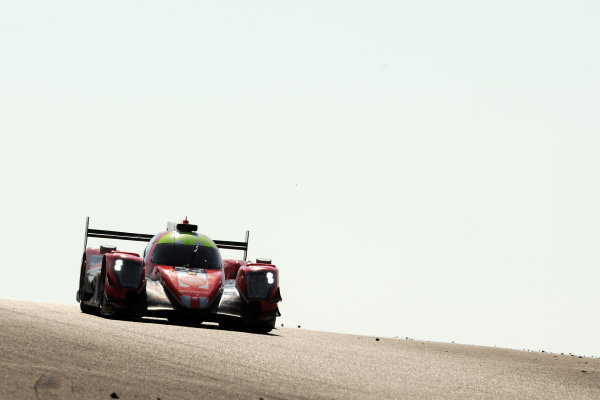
pixel 180 276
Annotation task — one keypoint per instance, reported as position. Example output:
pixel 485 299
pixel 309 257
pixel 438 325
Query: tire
pixel 137 308
pixel 263 326
pixel 253 323
pixel 254 326
pixel 87 309
pixel 81 293
pixel 101 290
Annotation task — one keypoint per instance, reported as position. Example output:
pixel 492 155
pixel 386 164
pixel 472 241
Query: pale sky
pixel 423 169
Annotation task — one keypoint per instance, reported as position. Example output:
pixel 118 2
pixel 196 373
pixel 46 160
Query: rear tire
pixel 81 293
pixel 102 291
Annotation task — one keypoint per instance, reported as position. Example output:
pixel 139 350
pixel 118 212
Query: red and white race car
pixel 180 276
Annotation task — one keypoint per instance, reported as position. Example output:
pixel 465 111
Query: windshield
pixel 183 255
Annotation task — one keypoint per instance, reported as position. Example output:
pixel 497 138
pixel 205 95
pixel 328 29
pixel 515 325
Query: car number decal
pixel 195 279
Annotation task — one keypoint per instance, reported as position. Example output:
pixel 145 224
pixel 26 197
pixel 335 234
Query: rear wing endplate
pixel 142 237
pixel 225 244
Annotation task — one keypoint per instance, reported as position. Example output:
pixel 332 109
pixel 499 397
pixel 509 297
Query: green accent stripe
pixel 191 239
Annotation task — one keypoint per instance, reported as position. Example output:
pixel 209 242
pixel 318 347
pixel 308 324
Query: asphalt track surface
pixel 52 351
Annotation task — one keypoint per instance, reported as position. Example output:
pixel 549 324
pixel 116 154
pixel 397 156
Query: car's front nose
pixel 192 288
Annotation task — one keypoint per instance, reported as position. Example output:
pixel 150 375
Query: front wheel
pixel 263 326
pixel 248 325
pixel 87 309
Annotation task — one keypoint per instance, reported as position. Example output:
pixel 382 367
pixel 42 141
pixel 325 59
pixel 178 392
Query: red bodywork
pixel 118 294
pixel 193 290
pixel 240 270
pixel 196 284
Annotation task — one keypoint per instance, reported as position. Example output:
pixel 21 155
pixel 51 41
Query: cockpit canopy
pixel 186 255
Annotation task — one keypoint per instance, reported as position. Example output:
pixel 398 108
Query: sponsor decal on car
pixel 193 279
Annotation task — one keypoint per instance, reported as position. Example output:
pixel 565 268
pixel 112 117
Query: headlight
pixel 270 278
pixel 129 272
pixel 259 284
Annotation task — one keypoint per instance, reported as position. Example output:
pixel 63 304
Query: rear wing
pixel 142 237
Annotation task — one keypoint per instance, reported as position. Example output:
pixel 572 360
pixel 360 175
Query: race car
pixel 180 276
